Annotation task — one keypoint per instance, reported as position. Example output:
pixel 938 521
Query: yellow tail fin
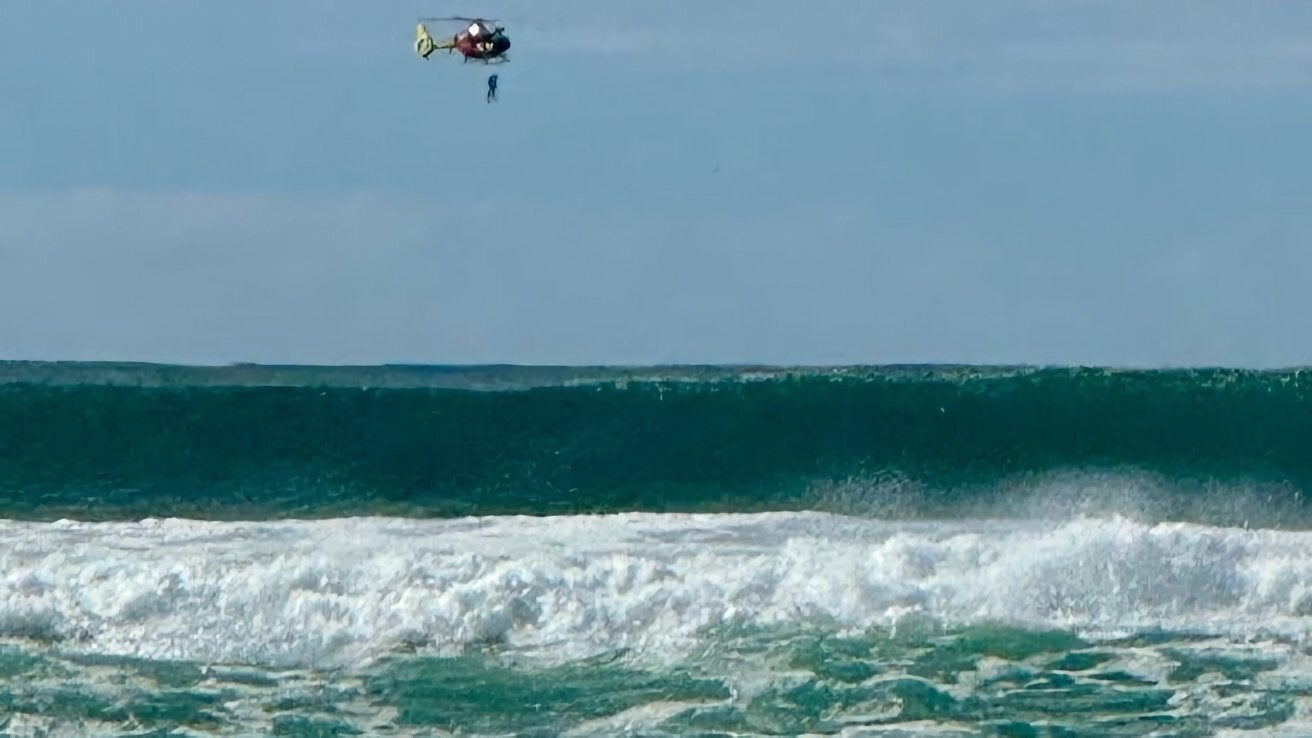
pixel 424 44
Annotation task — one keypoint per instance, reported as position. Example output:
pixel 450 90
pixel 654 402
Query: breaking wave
pixel 324 593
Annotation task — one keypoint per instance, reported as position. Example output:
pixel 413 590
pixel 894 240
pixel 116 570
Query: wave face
pixel 125 442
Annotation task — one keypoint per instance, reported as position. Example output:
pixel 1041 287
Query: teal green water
pixel 948 441
pixel 982 681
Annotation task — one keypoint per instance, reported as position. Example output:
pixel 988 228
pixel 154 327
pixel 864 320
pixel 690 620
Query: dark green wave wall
pixel 937 441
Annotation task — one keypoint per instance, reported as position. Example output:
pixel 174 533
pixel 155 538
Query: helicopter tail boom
pixel 426 45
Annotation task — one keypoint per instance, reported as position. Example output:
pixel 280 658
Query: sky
pixel 1119 182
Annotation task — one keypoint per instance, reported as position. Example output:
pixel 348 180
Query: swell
pixel 1217 446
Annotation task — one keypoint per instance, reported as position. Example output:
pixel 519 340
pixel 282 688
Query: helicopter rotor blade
pixel 462 18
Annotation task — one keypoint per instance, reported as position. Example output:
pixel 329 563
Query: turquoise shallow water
pixel 666 551
pixel 991 681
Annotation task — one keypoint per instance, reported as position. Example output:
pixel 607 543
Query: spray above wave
pixel 319 593
pixel 1222 447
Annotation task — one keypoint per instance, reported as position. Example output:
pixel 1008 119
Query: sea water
pixel 678 551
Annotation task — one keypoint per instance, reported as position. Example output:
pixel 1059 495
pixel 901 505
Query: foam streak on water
pixel 347 592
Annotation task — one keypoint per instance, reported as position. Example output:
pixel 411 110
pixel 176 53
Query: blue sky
pixel 1122 183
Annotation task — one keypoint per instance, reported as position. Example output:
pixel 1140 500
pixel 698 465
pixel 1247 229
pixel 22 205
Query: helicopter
pixel 478 41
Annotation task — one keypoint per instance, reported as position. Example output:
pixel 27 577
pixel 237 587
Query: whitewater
pixel 315 605
pixel 347 592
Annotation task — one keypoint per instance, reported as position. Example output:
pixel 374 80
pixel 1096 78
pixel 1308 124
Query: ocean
pixel 654 551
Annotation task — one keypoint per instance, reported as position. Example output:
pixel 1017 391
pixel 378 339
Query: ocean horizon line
pixel 9 367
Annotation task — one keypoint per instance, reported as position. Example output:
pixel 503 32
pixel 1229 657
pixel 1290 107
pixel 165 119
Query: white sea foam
pixel 335 592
